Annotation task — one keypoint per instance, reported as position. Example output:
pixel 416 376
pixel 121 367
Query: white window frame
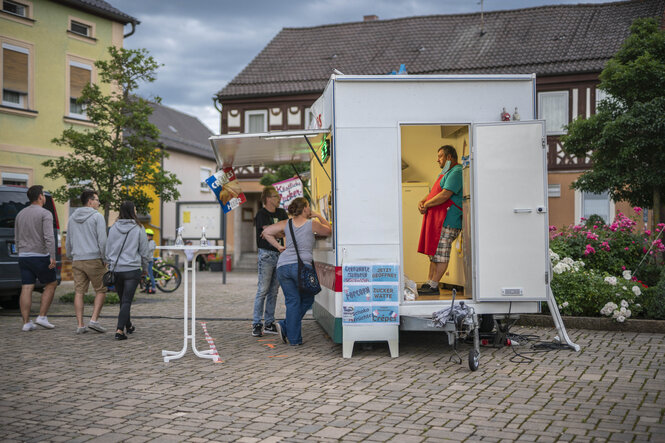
pixel 88 28
pixel 22 104
pixel 81 66
pixel 579 207
pixel 26 8
pixel 565 96
pixel 263 112
pixel 204 186
pixel 16 177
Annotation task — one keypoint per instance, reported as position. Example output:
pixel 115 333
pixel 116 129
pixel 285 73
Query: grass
pixel 88 299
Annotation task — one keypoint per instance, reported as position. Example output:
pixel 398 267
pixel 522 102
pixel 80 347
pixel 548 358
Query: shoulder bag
pixel 110 277
pixel 308 281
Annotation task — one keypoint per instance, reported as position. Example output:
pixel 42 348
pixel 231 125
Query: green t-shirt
pixel 453 181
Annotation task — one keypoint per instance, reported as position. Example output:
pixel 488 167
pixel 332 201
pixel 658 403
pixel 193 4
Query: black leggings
pixel 126 285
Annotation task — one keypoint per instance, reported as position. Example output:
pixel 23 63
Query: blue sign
pixel 357 293
pixel 385 273
pixel 385 293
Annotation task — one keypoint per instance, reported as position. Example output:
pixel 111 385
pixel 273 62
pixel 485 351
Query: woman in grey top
pixel 306 224
pixel 127 254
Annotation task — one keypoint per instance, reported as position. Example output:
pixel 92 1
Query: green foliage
pixel 653 302
pixel 587 292
pixel 626 137
pixel 88 299
pixel 120 157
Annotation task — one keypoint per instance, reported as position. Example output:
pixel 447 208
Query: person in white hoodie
pixel 127 254
pixel 86 246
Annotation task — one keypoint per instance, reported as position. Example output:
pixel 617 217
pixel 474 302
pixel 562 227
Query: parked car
pixel 12 200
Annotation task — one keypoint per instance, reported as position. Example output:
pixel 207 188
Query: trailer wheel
pixel 474 360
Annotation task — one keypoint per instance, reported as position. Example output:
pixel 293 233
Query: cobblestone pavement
pixel 59 386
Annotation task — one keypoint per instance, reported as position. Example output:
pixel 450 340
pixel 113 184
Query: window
pixel 14 179
pixel 553 108
pixel 80 28
pixel 15 77
pixel 15 8
pixel 205 173
pixel 256 121
pixel 596 204
pixel 80 74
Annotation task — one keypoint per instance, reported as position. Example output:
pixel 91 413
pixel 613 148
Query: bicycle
pixel 167 278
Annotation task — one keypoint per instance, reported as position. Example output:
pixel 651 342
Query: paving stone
pixel 610 391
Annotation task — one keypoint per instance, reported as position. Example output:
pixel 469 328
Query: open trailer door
pixel 509 199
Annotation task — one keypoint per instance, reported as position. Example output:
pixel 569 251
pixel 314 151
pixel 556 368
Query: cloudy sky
pixel 203 44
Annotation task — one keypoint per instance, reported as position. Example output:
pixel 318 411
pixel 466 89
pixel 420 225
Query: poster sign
pixel 226 188
pixel 289 190
pixel 370 293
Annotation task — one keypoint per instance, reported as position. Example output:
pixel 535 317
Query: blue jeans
pixel 151 274
pixel 296 305
pixel 266 293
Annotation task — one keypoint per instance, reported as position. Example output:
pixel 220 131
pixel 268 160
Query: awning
pixel 266 148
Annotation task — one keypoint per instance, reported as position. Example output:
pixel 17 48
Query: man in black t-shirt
pixel 266 293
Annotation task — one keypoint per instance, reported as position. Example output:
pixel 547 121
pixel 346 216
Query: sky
pixel 204 44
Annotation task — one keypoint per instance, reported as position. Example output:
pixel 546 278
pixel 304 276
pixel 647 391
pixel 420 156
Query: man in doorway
pixel 35 243
pixel 442 218
pixel 86 244
pixel 266 293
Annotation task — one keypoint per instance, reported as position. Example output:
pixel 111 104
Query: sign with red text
pixel 289 190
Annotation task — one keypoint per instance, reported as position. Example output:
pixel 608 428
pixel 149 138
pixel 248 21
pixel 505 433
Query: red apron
pixel 430 231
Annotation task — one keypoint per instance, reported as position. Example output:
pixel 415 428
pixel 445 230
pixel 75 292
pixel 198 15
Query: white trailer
pixel 373 145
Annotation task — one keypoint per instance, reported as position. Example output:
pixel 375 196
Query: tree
pixel 626 137
pixel 120 158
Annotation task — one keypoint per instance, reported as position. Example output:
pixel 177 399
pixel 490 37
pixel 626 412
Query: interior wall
pixel 420 145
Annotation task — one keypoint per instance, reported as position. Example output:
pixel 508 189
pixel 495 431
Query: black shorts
pixel 36 268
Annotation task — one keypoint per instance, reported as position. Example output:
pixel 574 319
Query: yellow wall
pixel 25 140
pixel 420 146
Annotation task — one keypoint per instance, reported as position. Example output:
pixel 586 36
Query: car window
pixel 10 205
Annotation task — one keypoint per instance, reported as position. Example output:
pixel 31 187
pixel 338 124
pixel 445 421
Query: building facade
pixel 48 54
pixel 566 46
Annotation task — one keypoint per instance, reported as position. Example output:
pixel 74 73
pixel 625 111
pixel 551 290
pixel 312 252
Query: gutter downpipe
pixel 132 31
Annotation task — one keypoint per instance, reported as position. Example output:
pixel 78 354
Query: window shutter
pixel 15 71
pixel 78 78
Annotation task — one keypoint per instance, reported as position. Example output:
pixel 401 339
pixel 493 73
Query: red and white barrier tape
pixel 211 343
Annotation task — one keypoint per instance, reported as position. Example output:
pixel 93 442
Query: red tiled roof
pixel 547 40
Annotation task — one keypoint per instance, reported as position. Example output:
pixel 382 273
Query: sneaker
pixel 95 326
pixel 426 289
pixel 29 326
pixel 43 322
pixel 130 329
pixel 270 328
pixel 257 330
pixel 81 330
pixel 119 336
pixel 280 332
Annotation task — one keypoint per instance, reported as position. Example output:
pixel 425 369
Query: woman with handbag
pixel 295 266
pixel 127 255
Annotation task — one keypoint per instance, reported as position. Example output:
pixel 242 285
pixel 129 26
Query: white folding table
pixel 190 267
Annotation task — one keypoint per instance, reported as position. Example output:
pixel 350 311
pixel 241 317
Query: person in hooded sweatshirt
pixel 127 254
pixel 86 246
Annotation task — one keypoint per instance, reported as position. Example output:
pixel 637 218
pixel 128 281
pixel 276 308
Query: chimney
pixel 370 18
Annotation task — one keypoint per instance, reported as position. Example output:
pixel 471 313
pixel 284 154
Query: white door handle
pixel 522 210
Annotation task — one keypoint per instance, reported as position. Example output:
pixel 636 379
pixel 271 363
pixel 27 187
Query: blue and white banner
pixel 370 293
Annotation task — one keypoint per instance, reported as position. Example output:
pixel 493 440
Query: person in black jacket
pixel 266 293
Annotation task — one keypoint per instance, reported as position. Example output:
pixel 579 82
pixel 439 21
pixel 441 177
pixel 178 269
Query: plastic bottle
pixel 178 237
pixel 204 240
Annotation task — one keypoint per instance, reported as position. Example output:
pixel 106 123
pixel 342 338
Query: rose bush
pixel 613 248
pixel 611 270
pixel 588 292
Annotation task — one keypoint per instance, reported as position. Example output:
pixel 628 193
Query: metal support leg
pixel 558 321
